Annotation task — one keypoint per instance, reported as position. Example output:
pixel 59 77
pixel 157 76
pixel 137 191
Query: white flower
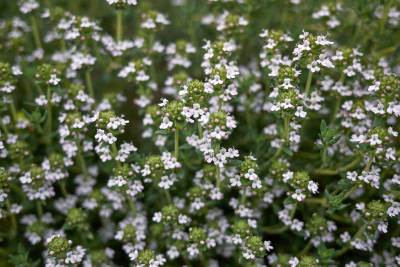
pixel 166 123
pixel 312 187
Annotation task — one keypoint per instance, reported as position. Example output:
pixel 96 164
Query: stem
pixel 49 115
pixel 335 111
pixel 63 188
pixel 13 111
pixel 338 170
pixel 35 31
pixel 119 26
pixel 308 83
pixel 39 209
pixel 200 130
pixel 324 156
pixel 218 174
pixel 89 83
pixel 286 125
pixel 306 248
pixel 176 143
pixel 82 162
pixel 131 205
pixel 14 225
pixel 114 150
pixel 168 196
pixel 314 200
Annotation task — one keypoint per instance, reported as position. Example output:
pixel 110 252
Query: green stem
pixel 338 170
pixel 39 209
pixel 286 129
pixel 81 161
pixel 200 130
pixel 49 115
pixel 218 174
pixel 318 201
pixel 131 205
pixel 114 150
pixel 63 188
pixel 306 248
pixel 176 143
pixel 335 111
pixel 308 83
pixel 35 31
pixel 13 111
pixel 89 83
pixel 119 26
pixel 14 225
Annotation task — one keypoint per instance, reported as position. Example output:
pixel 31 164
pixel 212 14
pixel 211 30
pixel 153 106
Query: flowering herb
pixel 155 133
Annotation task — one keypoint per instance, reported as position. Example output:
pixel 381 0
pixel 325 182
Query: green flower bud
pixel 104 119
pixel 195 93
pixel 98 257
pixel 376 210
pixel 256 245
pixel 37 227
pixel 174 112
pixel 145 257
pixel 196 192
pixel 129 233
pixel 197 235
pixel 19 150
pixel 217 119
pixel 287 73
pixel 5 73
pixel 170 214
pixel 56 160
pixel 156 166
pixel 4 179
pixel 316 225
pixel 74 89
pixel 44 73
pixel 308 261
pixel 76 218
pixel 58 246
pixel 241 228
pixel 278 167
pixel 124 170
pixel 209 172
pixel 300 180
pixel 37 175
pixel 249 163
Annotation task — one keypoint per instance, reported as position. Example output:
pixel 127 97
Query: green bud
pixel 316 225
pixel 58 246
pixel 4 179
pixel 129 233
pixel 145 257
pixel 376 210
pixel 77 218
pixel 197 235
pixel 300 180
pixel 241 228
pixel 308 261
pixel 170 213
pixel 256 245
pixel 19 150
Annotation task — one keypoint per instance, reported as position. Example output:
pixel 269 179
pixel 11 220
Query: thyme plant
pixel 199 133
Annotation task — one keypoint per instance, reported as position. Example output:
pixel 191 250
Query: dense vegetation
pixel 199 133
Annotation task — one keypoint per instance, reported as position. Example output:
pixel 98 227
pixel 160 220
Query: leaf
pixel 21 258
